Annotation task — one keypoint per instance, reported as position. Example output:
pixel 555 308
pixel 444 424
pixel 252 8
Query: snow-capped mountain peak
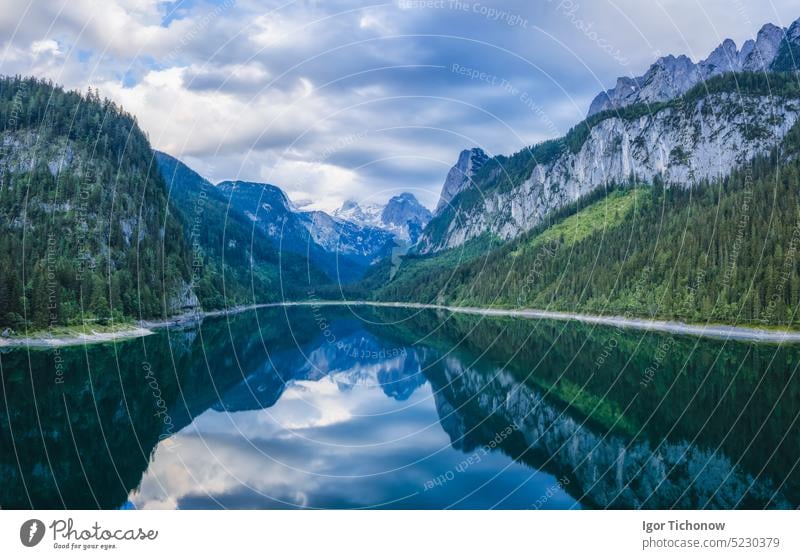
pixel 402 215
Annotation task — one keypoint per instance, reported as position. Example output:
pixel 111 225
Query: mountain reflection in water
pixel 342 408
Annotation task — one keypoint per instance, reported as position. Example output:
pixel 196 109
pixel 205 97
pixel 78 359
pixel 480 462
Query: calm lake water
pixel 377 407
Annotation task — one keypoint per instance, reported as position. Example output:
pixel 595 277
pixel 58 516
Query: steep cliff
pixel 460 175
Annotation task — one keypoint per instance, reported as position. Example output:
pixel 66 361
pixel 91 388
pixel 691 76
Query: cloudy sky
pixel 342 99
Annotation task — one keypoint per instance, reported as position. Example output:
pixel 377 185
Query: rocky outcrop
pixel 184 300
pixel 460 176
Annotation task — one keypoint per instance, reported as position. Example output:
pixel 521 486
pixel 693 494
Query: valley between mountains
pixel 677 198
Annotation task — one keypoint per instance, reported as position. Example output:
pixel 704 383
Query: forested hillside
pixel 85 231
pixel 233 262
pixel 722 251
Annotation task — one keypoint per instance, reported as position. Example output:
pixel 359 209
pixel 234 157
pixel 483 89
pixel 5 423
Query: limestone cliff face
pixel 681 143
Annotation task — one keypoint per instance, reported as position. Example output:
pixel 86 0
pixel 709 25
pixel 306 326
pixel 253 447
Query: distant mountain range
pixel 339 248
pixel 342 245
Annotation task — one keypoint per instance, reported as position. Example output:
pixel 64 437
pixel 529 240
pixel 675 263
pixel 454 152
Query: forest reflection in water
pixel 379 407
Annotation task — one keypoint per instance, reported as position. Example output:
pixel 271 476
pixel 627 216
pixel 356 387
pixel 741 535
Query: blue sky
pixel 342 99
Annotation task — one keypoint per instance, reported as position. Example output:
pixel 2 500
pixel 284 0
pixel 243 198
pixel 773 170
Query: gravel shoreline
pixel 145 328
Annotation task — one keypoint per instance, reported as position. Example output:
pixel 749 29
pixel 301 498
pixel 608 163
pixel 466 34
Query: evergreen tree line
pixel 85 231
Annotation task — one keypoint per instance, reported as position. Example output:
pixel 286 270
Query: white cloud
pixel 328 186
pixel 377 22
pixel 242 85
pixel 186 121
pixel 46 46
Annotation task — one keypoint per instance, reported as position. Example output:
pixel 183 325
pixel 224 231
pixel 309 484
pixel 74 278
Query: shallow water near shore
pixel 336 407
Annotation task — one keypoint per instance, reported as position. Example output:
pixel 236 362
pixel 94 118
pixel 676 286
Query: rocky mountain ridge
pixel 460 176
pixel 671 76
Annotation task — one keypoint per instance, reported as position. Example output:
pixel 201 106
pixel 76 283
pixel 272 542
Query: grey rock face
pixel 469 162
pixel 184 300
pixel 405 215
pixel 681 145
pixel 404 208
pixel 672 76
pixel 758 55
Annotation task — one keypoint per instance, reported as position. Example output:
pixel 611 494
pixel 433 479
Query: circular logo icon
pixel 31 532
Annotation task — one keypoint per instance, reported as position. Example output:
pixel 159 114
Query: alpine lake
pixel 371 407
